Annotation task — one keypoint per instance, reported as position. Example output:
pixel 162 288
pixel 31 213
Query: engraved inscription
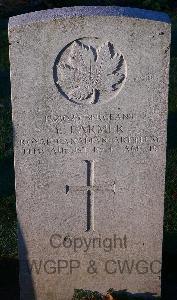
pixel 90 188
pixel 64 146
pixel 54 118
pixel 78 134
pixel 89 71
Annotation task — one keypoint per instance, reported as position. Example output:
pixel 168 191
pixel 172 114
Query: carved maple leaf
pixel 91 72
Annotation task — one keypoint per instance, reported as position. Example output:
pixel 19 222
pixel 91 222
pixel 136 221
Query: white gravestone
pixel 89 99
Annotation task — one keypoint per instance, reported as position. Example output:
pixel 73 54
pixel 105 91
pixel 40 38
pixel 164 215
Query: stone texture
pixel 89 99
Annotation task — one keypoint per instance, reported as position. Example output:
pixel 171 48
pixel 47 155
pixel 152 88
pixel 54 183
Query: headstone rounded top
pixel 75 11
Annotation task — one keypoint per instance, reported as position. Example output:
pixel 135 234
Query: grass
pixel 86 294
pixel 111 294
pixel 8 223
pixel 4 53
pixel 170 219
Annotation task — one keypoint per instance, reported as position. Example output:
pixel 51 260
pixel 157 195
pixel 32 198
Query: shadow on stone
pixel 9 275
pixel 27 292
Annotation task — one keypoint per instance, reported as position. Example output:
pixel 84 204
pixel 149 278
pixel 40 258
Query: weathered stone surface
pixel 89 97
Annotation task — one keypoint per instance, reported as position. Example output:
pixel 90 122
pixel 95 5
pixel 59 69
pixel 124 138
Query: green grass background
pixel 8 237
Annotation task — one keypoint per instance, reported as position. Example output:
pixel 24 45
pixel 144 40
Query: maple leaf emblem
pixel 87 73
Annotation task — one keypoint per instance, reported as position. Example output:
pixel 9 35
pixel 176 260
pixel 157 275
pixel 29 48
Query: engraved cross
pixel 90 189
